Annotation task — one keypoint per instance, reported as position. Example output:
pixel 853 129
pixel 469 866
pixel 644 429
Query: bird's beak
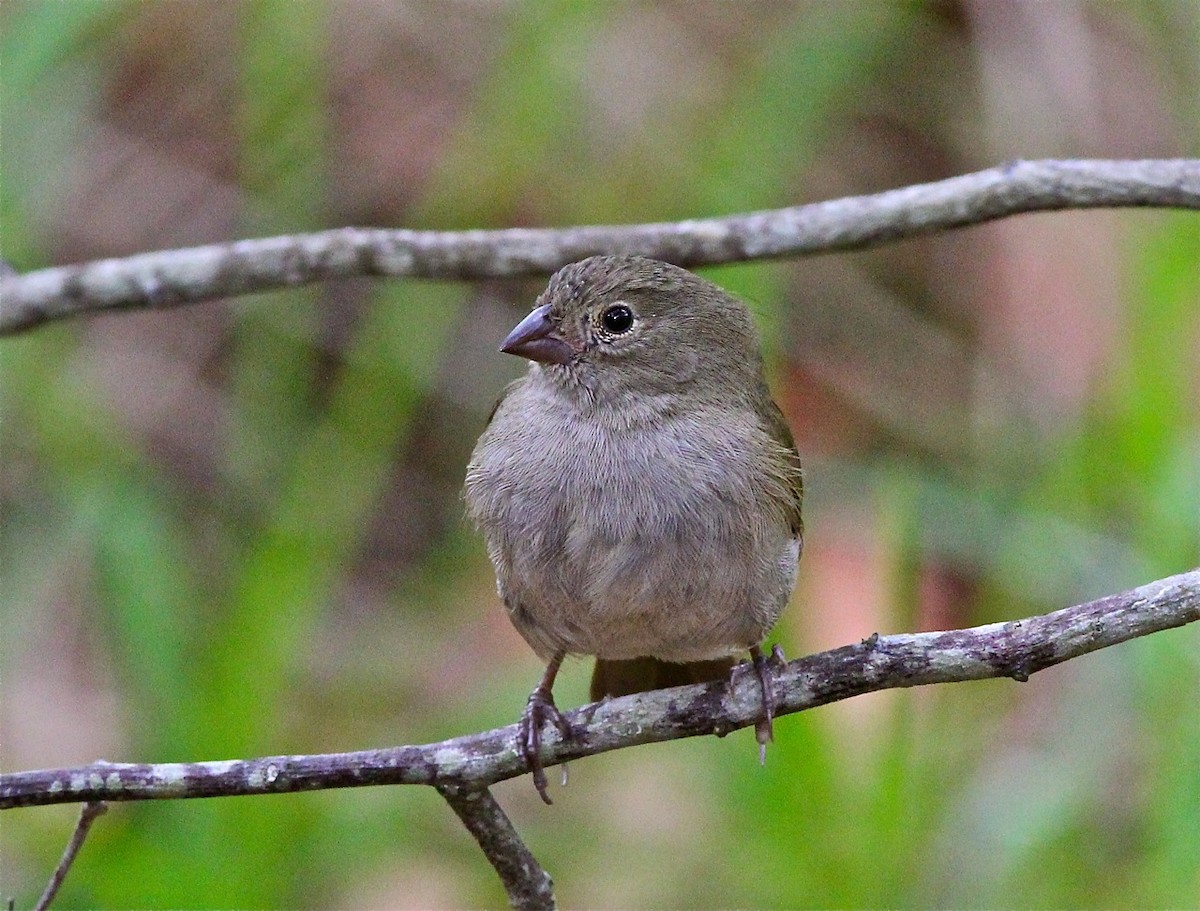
pixel 534 337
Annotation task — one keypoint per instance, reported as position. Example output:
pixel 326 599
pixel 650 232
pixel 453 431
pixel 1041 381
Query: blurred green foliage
pixel 311 586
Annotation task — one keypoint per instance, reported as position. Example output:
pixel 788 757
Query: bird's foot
pixel 764 728
pixel 538 710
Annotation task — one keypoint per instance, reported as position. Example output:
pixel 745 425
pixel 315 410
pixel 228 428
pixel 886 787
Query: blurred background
pixel 235 529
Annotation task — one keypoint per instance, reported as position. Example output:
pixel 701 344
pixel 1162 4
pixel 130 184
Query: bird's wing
pixel 779 431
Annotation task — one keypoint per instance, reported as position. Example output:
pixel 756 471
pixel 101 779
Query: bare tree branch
pixel 529 887
pixel 173 277
pixel 87 816
pixel 461 769
pixel 1015 648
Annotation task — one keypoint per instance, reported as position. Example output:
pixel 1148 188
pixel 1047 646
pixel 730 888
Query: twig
pixel 1016 648
pixel 173 277
pixel 529 887
pixel 87 816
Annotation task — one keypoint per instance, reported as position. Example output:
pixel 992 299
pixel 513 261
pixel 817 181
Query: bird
pixel 638 489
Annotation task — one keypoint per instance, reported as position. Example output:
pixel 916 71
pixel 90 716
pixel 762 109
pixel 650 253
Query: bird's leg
pixel 538 710
pixel 764 728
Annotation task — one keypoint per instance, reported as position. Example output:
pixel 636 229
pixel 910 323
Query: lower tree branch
pixel 172 277
pixel 529 887
pixel 1015 648
pixel 461 769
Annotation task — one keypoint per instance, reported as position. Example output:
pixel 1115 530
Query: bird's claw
pixel 538 710
pixel 764 728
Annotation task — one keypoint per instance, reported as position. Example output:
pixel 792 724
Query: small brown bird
pixel 638 488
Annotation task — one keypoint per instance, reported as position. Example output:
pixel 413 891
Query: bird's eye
pixel 617 319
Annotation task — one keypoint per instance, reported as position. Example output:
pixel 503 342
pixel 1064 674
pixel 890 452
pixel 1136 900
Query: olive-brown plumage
pixel 638 488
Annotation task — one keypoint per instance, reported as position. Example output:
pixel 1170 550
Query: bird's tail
pixel 640 675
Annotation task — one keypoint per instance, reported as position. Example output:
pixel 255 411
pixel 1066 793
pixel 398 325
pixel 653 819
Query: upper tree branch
pixel 1014 649
pixel 173 277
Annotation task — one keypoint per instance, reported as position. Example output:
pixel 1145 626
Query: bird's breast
pixel 652 540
